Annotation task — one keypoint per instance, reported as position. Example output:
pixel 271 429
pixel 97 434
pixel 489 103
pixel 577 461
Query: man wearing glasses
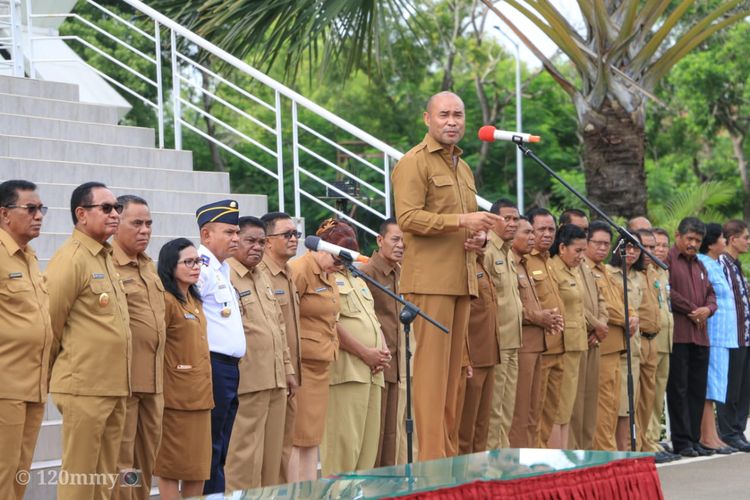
pixel 91 350
pixel 25 336
pixel 281 245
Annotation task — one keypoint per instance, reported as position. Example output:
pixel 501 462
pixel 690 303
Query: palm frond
pixel 697 201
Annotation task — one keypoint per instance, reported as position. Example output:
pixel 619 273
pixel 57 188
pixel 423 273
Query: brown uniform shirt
pixel 570 287
pixel 612 293
pixel 91 350
pixel 266 363
pixel 484 350
pixel 664 341
pixel 648 312
pixel 549 296
pixel 286 294
pixel 386 307
pixel 145 296
pixel 533 331
pixel 25 331
pixel 502 268
pixel 318 309
pixel 358 318
pixel 634 301
pixel 431 189
pixel 187 361
pixel 593 298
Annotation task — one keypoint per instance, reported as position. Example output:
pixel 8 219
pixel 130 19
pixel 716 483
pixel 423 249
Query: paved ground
pixel 715 478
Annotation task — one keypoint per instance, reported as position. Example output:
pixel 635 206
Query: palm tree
pixel 628 46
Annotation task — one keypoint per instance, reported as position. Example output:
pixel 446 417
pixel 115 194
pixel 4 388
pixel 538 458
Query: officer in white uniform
pixel 218 223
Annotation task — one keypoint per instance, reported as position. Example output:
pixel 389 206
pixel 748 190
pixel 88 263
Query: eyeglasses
pixel 107 207
pixel 31 209
pixel 287 235
pixel 190 262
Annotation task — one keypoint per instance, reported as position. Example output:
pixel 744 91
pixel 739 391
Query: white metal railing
pixel 246 108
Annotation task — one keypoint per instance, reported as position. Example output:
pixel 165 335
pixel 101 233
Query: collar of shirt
pixel 273 267
pixel 675 253
pixel 121 258
pixel 593 265
pixel 544 255
pixel 520 259
pixel 382 264
pixel 213 262
pixel 241 268
pixel 10 244
pixel 732 260
pixel 90 243
pixel 314 266
pixel 434 146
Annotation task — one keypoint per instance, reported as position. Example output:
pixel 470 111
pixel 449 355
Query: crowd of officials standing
pixel 235 364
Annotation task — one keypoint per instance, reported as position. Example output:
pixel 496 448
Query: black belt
pixel 649 336
pixel 223 358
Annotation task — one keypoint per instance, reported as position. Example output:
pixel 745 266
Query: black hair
pixel 270 219
pixel 249 220
pixel 661 231
pixel 599 225
pixel 616 261
pixel 127 199
pixel 567 214
pixel 539 212
pixel 9 191
pixel 565 236
pixel 168 257
pixel 714 231
pixel 645 232
pixel 502 203
pixel 390 221
pixel 691 225
pixel 734 227
pixel 82 196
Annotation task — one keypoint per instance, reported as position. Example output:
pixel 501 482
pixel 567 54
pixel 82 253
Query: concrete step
pixel 53 108
pixel 53 128
pixel 88 152
pixel 160 200
pixel 138 177
pixel 39 88
pixel 46 245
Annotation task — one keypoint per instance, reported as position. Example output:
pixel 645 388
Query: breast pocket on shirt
pixel 441 192
pixel 102 296
pixel 18 295
pixel 349 303
pixel 540 284
pixel 248 301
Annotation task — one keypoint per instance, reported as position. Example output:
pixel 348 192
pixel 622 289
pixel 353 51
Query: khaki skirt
pixel 185 451
pixel 312 403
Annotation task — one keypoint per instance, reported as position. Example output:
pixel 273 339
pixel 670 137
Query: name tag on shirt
pixel 129 280
pixel 15 276
pixel 278 292
pixel 321 289
pixel 537 273
pixel 339 283
pixel 499 261
pixel 184 367
pixel 246 293
pixel 97 276
pixel 189 316
pixel 480 275
pixel 572 283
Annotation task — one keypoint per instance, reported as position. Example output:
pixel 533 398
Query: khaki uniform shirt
pixel 664 341
pixel 187 361
pixel 26 331
pixel 266 363
pixel 484 351
pixel 635 295
pixel 358 318
pixel 318 309
pixel 92 348
pixel 502 268
pixel 533 331
pixel 286 295
pixel 549 295
pixel 145 296
pixel 648 312
pixel 431 189
pixel 570 286
pixel 386 307
pixel 593 298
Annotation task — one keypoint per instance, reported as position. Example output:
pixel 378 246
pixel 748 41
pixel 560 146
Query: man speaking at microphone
pixel 436 207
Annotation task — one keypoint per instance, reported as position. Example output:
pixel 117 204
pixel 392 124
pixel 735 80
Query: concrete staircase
pixel 47 136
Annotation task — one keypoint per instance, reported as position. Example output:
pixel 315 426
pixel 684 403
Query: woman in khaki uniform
pixel 567 254
pixel 319 345
pixel 352 430
pixel 185 452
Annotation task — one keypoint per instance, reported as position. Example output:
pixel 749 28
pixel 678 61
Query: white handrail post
pixel 15 37
pixel 387 183
pixel 159 92
pixel 279 151
pixel 295 160
pixel 176 92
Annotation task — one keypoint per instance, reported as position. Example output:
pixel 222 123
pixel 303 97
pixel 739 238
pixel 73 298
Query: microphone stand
pixel 627 239
pixel 408 314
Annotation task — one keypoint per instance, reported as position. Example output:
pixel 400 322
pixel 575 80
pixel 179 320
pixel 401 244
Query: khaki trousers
pixel 503 399
pixel 254 455
pixel 140 441
pixel 388 423
pixel 286 450
pixel 609 402
pixel 660 388
pixel 569 386
pixel 552 375
pixel 20 422
pixel 646 392
pixel 475 415
pixel 350 440
pixel 583 420
pixel 437 372
pixel 91 434
pixel 523 429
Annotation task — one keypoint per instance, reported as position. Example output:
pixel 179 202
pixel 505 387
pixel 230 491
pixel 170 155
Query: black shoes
pixel 663 457
pixel 739 445
pixel 724 450
pixel 703 451
pixel 688 452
